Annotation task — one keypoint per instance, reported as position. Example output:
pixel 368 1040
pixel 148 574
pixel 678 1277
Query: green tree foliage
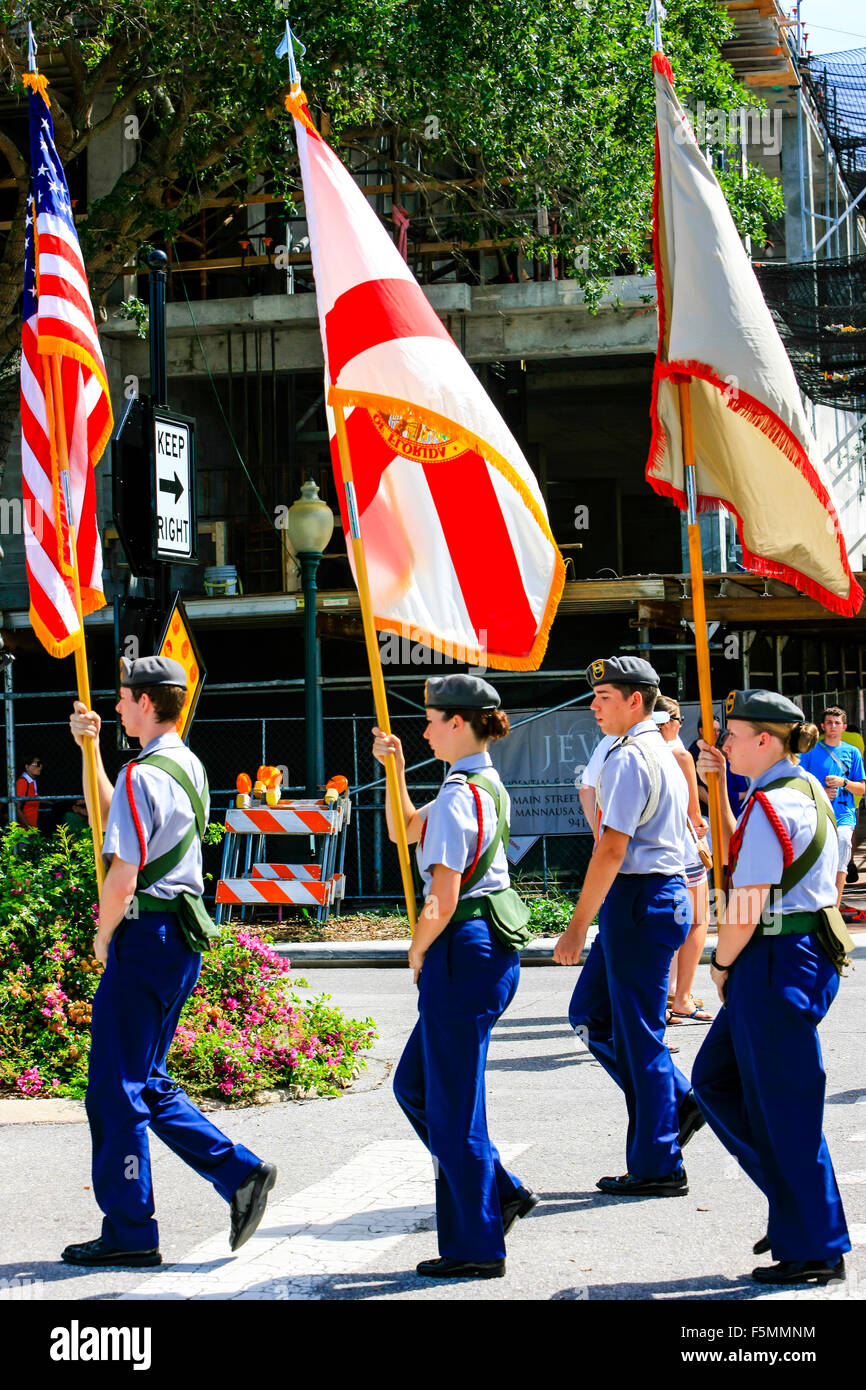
pixel 531 118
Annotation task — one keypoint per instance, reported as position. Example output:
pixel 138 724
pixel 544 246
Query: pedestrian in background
pixel 681 1002
pixel 838 766
pixel 28 811
pixel 466 976
pixel 759 1076
pixel 76 817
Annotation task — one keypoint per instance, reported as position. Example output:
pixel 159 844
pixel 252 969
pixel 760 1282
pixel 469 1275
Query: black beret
pixel 460 692
pixel 762 707
pixel 151 670
pixel 621 670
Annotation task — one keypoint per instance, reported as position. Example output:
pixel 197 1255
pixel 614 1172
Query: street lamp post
pixel 310 527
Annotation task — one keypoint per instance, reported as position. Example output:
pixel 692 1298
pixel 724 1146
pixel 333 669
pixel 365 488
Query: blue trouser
pixel 759 1079
pixel 619 1006
pixel 467 982
pixel 150 974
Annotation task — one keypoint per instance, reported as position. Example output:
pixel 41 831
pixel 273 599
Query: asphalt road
pixel 551 1108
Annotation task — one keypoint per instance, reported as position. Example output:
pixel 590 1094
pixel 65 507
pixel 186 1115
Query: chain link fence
pixel 229 743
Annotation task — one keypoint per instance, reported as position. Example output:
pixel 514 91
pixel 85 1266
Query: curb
pixel 379 954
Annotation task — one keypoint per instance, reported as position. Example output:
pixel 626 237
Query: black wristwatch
pixel 714 962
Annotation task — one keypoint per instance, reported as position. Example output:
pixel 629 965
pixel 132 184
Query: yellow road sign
pixel 178 642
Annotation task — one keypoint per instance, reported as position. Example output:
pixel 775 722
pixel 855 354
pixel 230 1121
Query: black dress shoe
pixel 96 1252
pixel 675 1185
pixel 520 1204
pixel 800 1272
pixel 761 1246
pixel 249 1202
pixel 461 1269
pixel 691 1119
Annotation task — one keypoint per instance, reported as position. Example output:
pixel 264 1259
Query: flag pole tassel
pixel 54 402
pixel 702 646
pixel 379 697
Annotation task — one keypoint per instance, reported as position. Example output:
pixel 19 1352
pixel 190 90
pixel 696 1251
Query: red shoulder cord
pixel 138 830
pixel 470 871
pixel 772 815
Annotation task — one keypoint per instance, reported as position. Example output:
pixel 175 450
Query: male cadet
pixel 839 768
pixel 635 882
pixel 155 817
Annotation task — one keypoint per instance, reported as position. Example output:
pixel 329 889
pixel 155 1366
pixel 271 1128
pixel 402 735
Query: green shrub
pixel 243 1029
pixel 549 916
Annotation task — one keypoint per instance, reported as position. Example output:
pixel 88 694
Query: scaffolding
pixel 837 82
pixel 819 308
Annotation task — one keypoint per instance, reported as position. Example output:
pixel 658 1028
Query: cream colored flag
pixel 754 449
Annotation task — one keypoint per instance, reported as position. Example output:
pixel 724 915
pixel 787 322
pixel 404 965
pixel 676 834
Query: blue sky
pixel 833 24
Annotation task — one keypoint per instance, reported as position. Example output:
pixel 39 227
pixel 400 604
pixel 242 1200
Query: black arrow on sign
pixel 176 487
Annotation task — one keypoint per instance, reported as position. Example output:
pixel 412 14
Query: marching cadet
pixel 156 815
pixel 635 882
pixel 759 1076
pixel 467 972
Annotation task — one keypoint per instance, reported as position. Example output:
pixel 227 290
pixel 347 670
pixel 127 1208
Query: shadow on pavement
pixel 709 1288
pixel 845 1097
pixel 538 1063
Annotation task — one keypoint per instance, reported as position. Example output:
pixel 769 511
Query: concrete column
pixel 794 247
pixel 108 155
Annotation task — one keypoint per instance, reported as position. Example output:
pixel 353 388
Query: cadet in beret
pixel 150 944
pixel 635 881
pixel 466 977
pixel 759 1076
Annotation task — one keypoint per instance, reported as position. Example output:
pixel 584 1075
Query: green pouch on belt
pixel 505 910
pixel 835 938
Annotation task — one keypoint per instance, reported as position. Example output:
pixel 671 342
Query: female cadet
pixel 466 978
pixel 759 1076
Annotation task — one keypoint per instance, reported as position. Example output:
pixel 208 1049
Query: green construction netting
pixel 820 312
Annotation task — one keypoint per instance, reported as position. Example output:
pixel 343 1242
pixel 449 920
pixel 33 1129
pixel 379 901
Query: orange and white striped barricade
pixel 259 892
pixel 260 882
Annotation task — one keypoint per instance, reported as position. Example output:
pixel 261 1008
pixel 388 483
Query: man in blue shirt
pixel 839 768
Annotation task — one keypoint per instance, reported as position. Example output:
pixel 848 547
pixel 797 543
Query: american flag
pixel 58 321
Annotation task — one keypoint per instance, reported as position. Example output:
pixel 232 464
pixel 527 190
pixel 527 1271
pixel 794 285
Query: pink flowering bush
pixel 243 1030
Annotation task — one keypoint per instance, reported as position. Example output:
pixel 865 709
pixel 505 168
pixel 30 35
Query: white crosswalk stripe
pixel 338 1226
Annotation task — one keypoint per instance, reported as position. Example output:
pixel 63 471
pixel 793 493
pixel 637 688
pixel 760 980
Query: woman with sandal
pixel 466 977
pixel 759 1076
pixel 682 1006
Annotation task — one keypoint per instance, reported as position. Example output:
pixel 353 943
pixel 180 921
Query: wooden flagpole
pixel 702 646
pixel 373 658
pixel 54 402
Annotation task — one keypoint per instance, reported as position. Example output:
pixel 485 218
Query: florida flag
pixel 754 450
pixel 457 543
